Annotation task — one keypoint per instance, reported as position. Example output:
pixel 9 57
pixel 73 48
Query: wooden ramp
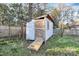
pixel 36 44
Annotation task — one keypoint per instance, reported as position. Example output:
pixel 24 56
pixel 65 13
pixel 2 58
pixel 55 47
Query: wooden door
pixel 40 29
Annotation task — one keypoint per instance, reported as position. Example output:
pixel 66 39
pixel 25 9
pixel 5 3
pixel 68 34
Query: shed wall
pixel 30 30
pixel 49 31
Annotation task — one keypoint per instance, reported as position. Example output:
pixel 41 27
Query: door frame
pixel 42 20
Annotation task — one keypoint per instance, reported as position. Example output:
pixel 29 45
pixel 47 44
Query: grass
pixel 67 45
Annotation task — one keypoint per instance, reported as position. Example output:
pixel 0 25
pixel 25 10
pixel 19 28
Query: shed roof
pixel 47 16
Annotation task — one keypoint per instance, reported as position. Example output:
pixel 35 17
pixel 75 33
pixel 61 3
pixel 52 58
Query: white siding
pixel 30 30
pixel 49 32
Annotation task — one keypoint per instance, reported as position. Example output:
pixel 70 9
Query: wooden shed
pixel 40 29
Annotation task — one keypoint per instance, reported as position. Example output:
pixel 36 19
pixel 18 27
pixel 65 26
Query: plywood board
pixel 39 33
pixel 36 44
pixel 39 23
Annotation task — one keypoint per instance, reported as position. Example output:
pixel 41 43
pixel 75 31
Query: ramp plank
pixel 36 44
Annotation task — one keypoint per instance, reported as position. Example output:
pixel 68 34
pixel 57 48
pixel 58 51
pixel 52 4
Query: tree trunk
pixel 30 11
pixel 9 30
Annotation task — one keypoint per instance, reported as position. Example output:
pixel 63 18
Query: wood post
pixel 22 31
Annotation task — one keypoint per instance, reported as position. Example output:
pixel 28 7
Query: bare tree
pixel 30 11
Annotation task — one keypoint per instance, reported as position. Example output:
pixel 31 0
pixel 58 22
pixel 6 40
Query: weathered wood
pixel 4 30
pixel 72 31
pixel 36 44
